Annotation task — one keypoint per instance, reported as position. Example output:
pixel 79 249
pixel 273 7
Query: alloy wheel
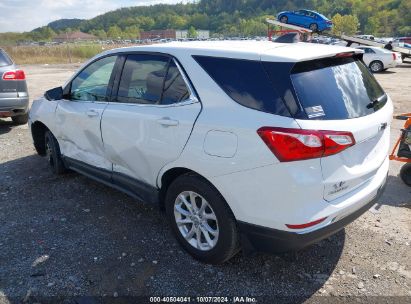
pixel 196 220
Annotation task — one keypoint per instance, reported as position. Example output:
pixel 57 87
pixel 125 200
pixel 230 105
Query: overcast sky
pixel 25 15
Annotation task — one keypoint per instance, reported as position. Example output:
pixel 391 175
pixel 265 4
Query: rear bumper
pixel 13 106
pixel 258 238
pixel 393 64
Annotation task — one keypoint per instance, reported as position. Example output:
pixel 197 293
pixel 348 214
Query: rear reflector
pixel 297 144
pixel 394 56
pixel 302 226
pixel 14 75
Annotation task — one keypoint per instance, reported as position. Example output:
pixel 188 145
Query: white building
pixel 201 34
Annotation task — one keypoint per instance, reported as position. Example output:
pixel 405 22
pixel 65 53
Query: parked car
pixel 14 97
pixel 406 40
pixel 379 59
pixel 306 18
pixel 246 144
pixel 368 37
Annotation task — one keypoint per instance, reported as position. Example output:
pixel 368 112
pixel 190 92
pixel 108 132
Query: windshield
pixel 336 88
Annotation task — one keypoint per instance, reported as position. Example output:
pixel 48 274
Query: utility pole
pixel 68 48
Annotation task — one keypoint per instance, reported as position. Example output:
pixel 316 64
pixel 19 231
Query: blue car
pixel 306 18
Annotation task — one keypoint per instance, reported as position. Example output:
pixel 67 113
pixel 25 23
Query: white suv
pixel 253 145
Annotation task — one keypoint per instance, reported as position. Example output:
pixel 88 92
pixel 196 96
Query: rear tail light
pixel 394 56
pixel 14 75
pixel 297 144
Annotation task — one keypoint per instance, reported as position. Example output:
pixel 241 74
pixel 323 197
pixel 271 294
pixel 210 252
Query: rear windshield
pixel 337 88
pixel 4 59
pixel 331 88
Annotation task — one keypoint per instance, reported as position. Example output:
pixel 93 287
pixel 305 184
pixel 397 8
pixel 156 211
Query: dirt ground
pixel 71 236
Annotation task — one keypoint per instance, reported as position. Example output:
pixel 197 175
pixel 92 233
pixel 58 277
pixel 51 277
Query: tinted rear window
pixel 4 59
pixel 336 88
pixel 330 88
pixel 246 82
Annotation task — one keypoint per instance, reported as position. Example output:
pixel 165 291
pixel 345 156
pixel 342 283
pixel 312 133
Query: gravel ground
pixel 71 236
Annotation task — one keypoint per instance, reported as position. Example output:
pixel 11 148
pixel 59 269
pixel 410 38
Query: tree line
pixel 236 18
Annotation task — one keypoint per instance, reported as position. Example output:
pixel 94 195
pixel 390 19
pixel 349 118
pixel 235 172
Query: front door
pixel 78 116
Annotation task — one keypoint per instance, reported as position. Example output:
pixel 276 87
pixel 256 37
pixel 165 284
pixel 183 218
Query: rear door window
pixel 4 59
pixel 175 88
pixel 142 79
pixel 246 82
pixel 336 88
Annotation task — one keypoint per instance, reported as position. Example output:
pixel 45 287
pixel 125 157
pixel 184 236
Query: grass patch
pixel 64 53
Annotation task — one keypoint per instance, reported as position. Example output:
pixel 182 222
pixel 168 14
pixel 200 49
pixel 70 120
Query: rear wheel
pixel 201 219
pixel 284 19
pixel 314 27
pixel 405 174
pixel 20 119
pixel 53 154
pixel 376 66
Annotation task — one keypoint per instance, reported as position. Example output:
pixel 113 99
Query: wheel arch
pixel 38 131
pixel 171 174
pixel 283 15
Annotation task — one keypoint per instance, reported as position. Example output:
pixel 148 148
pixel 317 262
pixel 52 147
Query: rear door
pixel 150 118
pixel 340 94
pixel 78 116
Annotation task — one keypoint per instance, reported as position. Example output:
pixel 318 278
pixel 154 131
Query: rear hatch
pixel 8 89
pixel 340 94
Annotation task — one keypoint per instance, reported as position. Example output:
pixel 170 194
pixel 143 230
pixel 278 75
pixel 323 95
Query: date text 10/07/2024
pixel 237 299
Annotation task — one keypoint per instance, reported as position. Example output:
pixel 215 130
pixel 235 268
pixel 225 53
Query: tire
pixel 313 27
pixel 53 154
pixel 20 119
pixel 223 238
pixel 284 19
pixel 405 174
pixel 376 66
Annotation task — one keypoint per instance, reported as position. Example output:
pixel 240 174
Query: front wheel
pixel 405 174
pixel 284 19
pixel 201 219
pixel 53 154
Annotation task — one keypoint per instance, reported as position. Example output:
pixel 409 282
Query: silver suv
pixel 14 97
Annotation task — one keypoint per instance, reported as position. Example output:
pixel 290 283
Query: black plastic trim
pixel 133 187
pixel 259 238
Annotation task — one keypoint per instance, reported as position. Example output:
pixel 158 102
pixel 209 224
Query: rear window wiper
pixel 375 104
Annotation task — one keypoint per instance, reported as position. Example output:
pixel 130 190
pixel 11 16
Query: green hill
pixel 232 18
pixel 62 24
pixel 379 17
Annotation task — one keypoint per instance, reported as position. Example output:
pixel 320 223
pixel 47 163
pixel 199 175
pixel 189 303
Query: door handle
pixel 92 113
pixel 167 122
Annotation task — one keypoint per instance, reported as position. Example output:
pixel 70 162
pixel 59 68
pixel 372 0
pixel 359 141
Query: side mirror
pixel 54 94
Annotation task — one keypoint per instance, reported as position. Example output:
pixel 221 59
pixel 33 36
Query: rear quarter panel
pixel 222 114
